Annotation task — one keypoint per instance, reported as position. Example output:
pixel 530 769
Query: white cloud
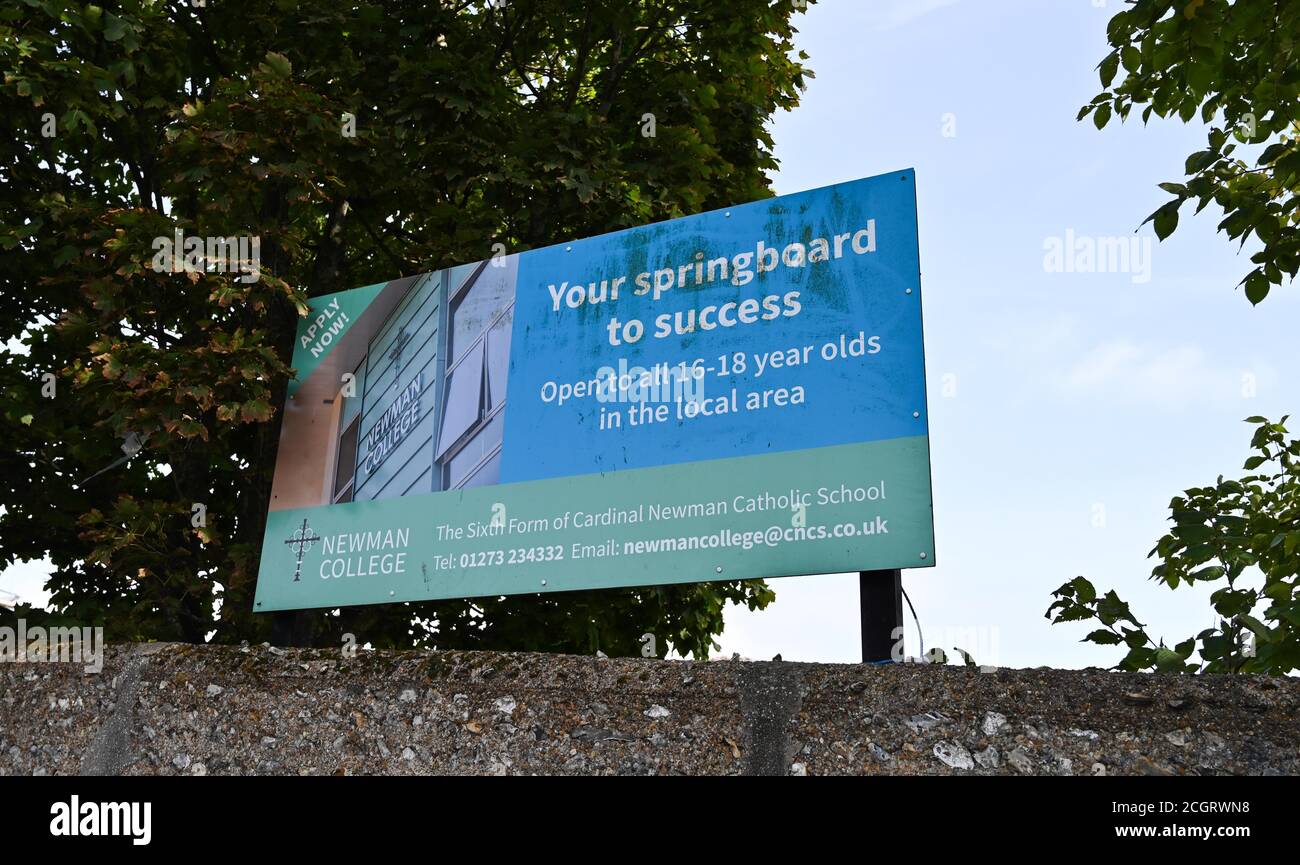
pixel 893 14
pixel 1167 375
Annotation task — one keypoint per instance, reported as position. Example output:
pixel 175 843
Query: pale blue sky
pixel 1073 391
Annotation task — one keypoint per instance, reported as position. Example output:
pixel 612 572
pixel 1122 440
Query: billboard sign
pixel 732 395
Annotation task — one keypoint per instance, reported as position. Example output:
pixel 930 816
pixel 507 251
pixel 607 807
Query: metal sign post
pixel 881 605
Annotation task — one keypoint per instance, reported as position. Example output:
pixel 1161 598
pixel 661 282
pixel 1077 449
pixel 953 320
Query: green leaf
pixel 279 64
pixel 1111 610
pixel 1136 638
pixel 1166 220
pixel 1168 661
pixel 1199 160
pixel 1256 287
pixel 1132 59
pixel 1254 625
pixel 1109 66
pixel 1138 659
pixel 1273 151
pixel 1200 77
pixel 1215 647
pixel 256 411
pixel 114 27
pixel 1211 572
pixel 1075 613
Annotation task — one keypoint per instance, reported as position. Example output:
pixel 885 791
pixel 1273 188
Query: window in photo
pixel 480 318
pixel 350 424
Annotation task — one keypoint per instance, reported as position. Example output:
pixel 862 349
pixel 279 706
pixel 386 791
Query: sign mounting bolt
pixel 543 582
pixel 922 555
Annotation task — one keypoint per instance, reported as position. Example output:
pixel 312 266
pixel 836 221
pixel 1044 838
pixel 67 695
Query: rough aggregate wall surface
pixel 194 710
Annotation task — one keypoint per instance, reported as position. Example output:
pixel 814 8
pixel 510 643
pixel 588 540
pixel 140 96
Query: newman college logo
pixel 303 539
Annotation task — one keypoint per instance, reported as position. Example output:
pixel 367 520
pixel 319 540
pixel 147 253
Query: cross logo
pixel 399 346
pixel 304 539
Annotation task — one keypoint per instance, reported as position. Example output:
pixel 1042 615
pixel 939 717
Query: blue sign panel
pixel 807 304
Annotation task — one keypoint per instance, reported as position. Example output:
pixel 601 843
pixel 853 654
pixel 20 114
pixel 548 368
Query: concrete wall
pixel 180 709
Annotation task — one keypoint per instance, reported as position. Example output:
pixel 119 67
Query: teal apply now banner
pixel 734 395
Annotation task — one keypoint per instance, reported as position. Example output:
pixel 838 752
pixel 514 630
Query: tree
pixel 360 143
pixel 1237 66
pixel 1227 532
